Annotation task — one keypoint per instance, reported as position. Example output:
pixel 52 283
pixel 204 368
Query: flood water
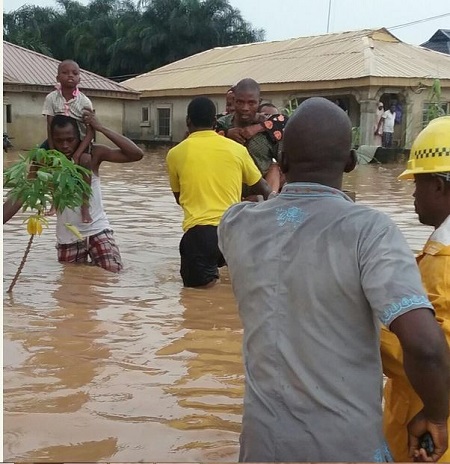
pixel 132 367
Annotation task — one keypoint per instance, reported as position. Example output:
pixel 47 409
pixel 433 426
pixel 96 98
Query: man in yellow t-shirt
pixel 206 173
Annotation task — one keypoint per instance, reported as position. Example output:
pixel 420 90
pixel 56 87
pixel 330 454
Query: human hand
pixel 235 133
pixel 417 428
pixel 90 119
pixel 250 131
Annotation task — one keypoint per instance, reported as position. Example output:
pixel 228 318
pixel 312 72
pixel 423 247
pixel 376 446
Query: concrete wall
pixel 415 104
pixel 361 103
pixel 28 127
pixel 147 131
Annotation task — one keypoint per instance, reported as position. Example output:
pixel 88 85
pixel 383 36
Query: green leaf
pixel 58 179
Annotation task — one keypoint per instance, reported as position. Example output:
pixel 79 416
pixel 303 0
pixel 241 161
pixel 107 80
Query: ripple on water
pixel 130 367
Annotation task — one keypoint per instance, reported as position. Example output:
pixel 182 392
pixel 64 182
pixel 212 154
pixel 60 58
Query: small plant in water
pixel 42 179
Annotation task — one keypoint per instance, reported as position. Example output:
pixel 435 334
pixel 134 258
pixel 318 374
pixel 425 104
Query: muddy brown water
pixel 132 367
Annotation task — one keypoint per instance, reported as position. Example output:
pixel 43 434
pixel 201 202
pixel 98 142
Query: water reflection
pixel 211 389
pixel 133 367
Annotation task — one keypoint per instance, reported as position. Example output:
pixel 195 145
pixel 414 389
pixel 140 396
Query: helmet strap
pixel 444 175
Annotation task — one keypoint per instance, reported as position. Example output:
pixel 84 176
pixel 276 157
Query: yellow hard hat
pixel 430 151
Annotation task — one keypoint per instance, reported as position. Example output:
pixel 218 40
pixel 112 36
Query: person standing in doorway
pixel 377 139
pixel 386 126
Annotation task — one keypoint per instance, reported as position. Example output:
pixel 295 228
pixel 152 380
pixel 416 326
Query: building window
pixel 8 114
pixel 434 110
pixel 145 114
pixel 164 121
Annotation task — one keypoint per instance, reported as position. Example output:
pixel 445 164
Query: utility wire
pixel 418 21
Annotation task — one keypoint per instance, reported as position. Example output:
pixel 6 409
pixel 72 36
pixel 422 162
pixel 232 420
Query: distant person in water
pixel 98 242
pixel 68 100
pixel 206 173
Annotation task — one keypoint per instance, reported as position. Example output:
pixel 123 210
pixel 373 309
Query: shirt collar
pixel 312 189
pixel 203 133
pixel 75 92
pixel 442 233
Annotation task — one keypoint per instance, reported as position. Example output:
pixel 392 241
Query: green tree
pixel 29 27
pixel 121 37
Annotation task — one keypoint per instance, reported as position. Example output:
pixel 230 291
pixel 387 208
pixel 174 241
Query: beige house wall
pixel 28 127
pixel 362 103
pixel 147 131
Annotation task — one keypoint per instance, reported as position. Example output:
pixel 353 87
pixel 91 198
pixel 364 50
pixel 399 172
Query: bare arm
pixel 126 152
pixel 177 196
pixel 380 123
pixel 261 188
pixel 426 361
pixel 84 144
pixel 250 131
pixel 10 207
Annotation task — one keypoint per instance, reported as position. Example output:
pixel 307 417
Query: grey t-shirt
pixel 314 274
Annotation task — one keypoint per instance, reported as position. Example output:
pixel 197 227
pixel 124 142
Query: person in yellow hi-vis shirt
pixel 429 166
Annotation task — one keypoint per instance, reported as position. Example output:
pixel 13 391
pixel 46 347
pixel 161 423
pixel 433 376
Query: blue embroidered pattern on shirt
pixel 405 303
pixel 383 454
pixel 292 215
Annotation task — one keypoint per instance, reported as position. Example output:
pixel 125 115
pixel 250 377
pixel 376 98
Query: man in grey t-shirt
pixel 315 275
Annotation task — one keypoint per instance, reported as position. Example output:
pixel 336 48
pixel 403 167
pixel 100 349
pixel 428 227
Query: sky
pixel 286 19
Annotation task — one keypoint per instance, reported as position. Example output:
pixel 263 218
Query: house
pixel 29 76
pixel 356 68
pixel 439 41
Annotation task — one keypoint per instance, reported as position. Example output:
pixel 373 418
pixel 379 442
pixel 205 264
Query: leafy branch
pixel 42 179
pixel 58 181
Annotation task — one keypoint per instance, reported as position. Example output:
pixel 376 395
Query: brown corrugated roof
pixel 331 57
pixel 23 66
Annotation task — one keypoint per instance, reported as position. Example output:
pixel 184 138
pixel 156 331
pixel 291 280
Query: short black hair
pixel 270 105
pixel 202 112
pixel 247 85
pixel 65 62
pixel 61 120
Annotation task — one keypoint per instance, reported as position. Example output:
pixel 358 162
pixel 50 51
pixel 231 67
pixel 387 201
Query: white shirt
pixel 55 103
pixel 389 121
pixel 73 216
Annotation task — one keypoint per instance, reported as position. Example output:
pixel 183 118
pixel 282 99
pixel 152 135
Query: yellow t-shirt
pixel 208 171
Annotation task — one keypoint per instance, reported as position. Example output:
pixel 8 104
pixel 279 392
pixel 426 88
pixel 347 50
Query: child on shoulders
pixel 68 100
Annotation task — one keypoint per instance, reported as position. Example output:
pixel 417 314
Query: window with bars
pixel 145 114
pixel 164 121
